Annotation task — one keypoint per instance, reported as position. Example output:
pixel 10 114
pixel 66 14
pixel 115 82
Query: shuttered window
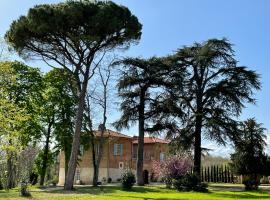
pixel 81 150
pixel 97 149
pixel 118 149
pixel 78 175
pixel 161 156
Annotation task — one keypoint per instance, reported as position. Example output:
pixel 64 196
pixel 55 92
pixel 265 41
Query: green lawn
pixel 216 192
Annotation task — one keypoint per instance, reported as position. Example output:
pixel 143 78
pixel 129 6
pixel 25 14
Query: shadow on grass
pixel 243 195
pixel 229 188
pixel 13 193
pixel 100 190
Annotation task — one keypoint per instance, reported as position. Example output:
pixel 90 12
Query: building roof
pixel 111 133
pixel 149 140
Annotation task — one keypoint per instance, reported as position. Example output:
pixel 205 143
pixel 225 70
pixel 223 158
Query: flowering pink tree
pixel 173 167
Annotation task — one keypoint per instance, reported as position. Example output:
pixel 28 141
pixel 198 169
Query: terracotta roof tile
pixel 112 133
pixel 148 140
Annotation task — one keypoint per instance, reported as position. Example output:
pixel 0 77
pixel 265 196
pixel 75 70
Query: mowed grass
pixel 216 192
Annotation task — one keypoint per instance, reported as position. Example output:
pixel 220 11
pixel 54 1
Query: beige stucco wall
pixel 61 176
pixel 86 175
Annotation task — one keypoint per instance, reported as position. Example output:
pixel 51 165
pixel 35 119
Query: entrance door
pixel 146 177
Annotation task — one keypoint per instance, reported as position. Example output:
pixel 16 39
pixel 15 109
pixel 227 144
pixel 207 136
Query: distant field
pixel 216 192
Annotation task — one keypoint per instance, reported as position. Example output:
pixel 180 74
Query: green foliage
pixel 251 184
pixel 39 161
pixel 249 157
pixel 72 34
pixel 128 180
pixel 59 107
pixel 33 178
pixel 95 25
pixel 24 189
pixel 207 93
pixel 189 182
pixel 209 160
pixel 222 175
pixel 20 89
pixel 138 80
pixel 1 184
pixel 212 71
pixel 136 89
pixel 53 181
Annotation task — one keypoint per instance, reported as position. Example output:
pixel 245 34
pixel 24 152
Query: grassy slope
pixel 222 192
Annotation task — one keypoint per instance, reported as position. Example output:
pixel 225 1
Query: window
pixel 81 150
pixel 134 153
pixel 161 156
pixel 146 155
pixel 118 149
pixel 78 175
pixel 121 165
pixel 97 149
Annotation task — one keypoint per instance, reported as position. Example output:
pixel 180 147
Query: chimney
pixel 101 127
pixel 135 137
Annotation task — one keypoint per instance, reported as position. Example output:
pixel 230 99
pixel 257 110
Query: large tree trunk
pixel 10 169
pixel 76 138
pixel 140 152
pixel 198 122
pixel 98 157
pixel 10 172
pixel 197 147
pixel 45 155
pixel 67 154
pixel 102 129
pixel 96 169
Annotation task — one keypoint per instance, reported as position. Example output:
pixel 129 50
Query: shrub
pixel 1 186
pixel 189 182
pixel 109 180
pixel 173 168
pixel 128 180
pixel 24 189
pixel 119 180
pixel 53 181
pixel 251 184
pixel 33 178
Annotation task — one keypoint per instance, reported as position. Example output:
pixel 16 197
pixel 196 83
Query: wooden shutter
pixel 115 149
pixel 121 149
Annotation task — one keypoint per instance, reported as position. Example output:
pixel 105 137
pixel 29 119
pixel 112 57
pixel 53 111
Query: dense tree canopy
pixel 74 34
pixel 136 87
pixel 249 157
pixel 20 92
pixel 211 94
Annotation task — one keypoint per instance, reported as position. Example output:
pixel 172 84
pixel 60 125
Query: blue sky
pixel 170 24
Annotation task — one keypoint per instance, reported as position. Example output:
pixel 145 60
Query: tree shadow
pixel 13 194
pixel 145 189
pixel 227 188
pixel 99 190
pixel 243 195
